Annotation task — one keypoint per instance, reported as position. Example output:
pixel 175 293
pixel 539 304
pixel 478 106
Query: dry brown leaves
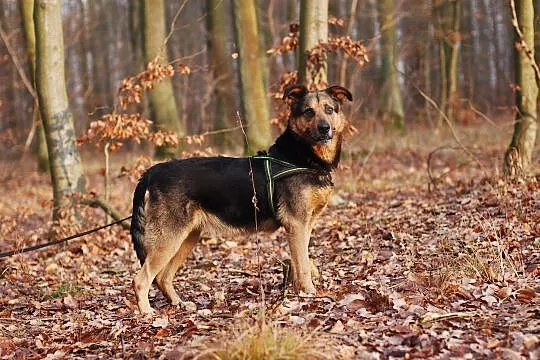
pixel 355 49
pixel 119 126
pixel 404 273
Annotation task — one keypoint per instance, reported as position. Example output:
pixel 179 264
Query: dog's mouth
pixel 321 139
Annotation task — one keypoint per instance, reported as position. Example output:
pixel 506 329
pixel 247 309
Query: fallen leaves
pixel 403 273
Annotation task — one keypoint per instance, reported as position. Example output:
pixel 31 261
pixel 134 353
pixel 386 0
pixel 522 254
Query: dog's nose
pixel 323 127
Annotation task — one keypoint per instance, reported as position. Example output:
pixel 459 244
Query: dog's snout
pixel 323 127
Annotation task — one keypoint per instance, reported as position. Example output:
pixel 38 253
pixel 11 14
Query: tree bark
pixel 251 66
pixel 343 66
pixel 136 40
pixel 222 71
pixel 27 14
pixel 64 160
pixel 313 30
pixel 518 157
pixel 392 103
pixel 449 19
pixel 163 110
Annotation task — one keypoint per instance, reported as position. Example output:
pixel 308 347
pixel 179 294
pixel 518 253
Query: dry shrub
pixel 317 55
pixel 493 255
pixel 266 342
pixel 120 125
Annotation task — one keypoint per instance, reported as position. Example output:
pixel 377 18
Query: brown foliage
pixel 118 126
pixel 404 273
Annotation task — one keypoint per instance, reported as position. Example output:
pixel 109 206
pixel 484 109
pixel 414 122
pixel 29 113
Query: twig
pixel 255 209
pixel 27 83
pixel 343 66
pixel 215 132
pixel 107 176
pixel 528 52
pixel 172 24
pixel 325 297
pixel 430 316
pixel 482 115
pixel 109 210
pixel 32 131
pixel 242 272
pixel 447 120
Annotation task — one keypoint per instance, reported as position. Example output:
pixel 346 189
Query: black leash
pixel 54 242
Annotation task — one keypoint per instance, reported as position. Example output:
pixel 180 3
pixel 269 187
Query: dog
pixel 177 200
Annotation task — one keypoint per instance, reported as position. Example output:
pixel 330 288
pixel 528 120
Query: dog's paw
pixel 307 290
pixel 147 313
pixel 145 309
pixel 175 301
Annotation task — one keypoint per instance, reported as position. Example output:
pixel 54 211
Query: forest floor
pixel 405 272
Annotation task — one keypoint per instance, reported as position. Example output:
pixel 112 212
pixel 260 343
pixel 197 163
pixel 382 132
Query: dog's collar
pixel 288 169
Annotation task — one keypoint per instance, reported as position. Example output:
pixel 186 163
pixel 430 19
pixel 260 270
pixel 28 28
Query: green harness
pixel 272 175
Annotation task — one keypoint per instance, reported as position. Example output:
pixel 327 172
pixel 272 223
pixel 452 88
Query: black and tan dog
pixel 175 201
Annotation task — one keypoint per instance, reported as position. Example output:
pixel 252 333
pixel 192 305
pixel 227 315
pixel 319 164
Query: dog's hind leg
pixel 165 277
pixel 166 244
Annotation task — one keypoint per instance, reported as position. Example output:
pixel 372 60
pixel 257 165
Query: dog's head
pixel 316 116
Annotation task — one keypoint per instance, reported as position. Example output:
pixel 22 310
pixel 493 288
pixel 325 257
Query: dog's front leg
pixel 299 235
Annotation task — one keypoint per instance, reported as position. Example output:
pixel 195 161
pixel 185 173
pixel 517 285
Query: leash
pixel 54 242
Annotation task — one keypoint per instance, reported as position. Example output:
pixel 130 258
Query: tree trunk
pixel 449 19
pixel 392 103
pixel 428 85
pixel 250 67
pixel 163 110
pixel 27 14
pixel 518 157
pixel 136 25
pixel 222 72
pixel 343 66
pixel 313 30
pixel 64 160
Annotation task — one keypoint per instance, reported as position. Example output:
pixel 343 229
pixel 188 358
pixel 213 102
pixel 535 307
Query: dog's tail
pixel 137 218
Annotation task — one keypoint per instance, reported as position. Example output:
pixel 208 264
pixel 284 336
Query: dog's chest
pixel 319 198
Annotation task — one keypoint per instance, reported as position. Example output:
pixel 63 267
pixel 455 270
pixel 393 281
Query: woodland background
pixel 101 48
pixel 430 248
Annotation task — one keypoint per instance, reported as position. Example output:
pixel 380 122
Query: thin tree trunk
pixel 448 15
pixel 427 65
pixel 250 66
pixel 136 26
pixel 221 68
pixel 453 44
pixel 163 110
pixel 313 30
pixel 392 103
pixel 85 50
pixel 27 13
pixel 518 157
pixel 292 18
pixel 343 65
pixel 64 160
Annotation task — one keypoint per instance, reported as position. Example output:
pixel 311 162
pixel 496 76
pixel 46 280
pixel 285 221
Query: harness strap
pixel 291 169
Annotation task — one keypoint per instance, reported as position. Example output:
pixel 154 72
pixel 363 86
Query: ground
pixel 448 270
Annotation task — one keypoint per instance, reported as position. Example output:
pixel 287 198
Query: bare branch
pixel 523 44
pixel 27 83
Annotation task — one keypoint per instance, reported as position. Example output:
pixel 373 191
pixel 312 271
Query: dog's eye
pixel 328 110
pixel 309 113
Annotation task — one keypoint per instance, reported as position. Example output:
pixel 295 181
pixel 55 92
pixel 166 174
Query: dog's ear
pixel 293 93
pixel 339 93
